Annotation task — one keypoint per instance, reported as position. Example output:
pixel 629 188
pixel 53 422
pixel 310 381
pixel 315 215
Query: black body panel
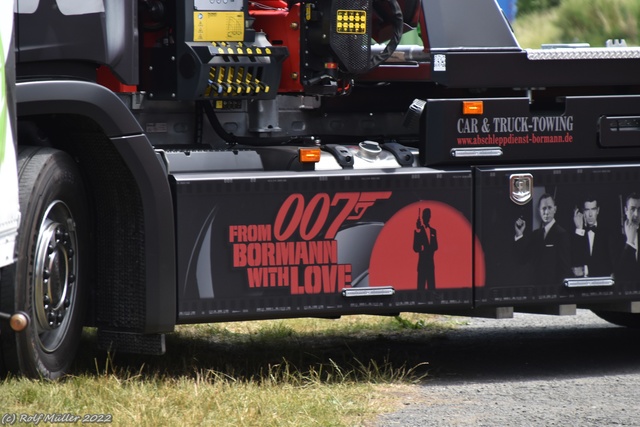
pixel 564 132
pixel 102 32
pixel 523 272
pixel 494 69
pixel 297 244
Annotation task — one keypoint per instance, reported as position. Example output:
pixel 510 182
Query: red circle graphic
pixel 394 262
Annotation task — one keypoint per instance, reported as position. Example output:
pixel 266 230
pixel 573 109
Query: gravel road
pixel 531 370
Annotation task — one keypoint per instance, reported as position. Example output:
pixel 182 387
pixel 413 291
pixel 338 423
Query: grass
pixel 303 372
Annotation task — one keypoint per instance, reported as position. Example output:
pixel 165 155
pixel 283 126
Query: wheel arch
pixel 134 284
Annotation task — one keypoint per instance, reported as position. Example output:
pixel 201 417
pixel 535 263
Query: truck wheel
pixel 629 320
pixel 48 281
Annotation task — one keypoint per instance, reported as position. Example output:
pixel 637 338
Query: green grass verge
pixel 302 372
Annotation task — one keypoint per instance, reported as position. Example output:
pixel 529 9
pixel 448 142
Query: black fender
pixel 110 113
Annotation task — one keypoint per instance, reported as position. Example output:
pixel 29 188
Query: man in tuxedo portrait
pixel 546 248
pixel 591 244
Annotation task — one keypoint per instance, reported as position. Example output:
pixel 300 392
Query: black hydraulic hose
pixel 398 30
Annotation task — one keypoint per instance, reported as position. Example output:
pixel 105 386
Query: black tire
pixel 629 320
pixel 49 279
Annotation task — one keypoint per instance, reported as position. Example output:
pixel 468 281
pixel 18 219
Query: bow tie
pixel 591 228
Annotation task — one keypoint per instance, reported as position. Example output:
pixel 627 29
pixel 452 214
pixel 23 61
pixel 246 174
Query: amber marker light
pixel 472 107
pixel 309 155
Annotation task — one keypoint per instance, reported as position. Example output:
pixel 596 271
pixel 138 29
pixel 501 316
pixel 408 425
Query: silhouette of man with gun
pixel 425 244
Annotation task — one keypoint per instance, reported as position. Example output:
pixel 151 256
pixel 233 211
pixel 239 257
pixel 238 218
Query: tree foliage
pixel 529 6
pixel 578 21
pixel 595 21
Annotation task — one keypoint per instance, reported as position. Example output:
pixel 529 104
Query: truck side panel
pixel 285 245
pixel 567 265
pixel 512 130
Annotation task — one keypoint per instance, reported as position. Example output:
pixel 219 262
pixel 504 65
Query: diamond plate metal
pixel 582 53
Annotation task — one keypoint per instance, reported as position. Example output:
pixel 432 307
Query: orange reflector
pixel 309 155
pixel 331 65
pixel 472 107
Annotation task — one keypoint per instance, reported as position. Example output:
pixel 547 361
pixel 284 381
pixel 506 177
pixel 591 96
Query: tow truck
pixel 173 162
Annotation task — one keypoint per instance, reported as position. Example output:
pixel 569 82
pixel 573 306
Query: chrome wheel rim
pixel 55 275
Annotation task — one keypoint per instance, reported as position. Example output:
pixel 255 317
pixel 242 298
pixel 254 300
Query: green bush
pixel 595 21
pixel 528 6
pixel 537 28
